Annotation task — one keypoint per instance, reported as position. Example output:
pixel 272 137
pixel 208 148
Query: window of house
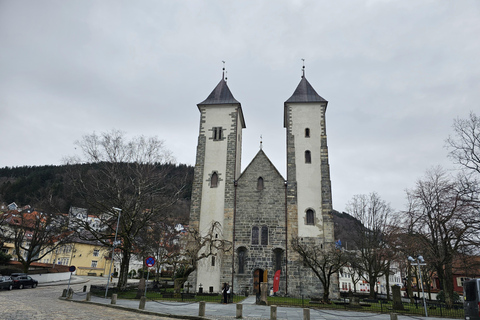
pixel 308 157
pixel 260 183
pixel 241 259
pixel 255 235
pixel 213 261
pixel 307 132
pixel 96 252
pixel 214 180
pixel 264 235
pixel 310 217
pixel 94 263
pixel 217 133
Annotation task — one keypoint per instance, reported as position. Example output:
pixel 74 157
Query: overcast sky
pixel 396 74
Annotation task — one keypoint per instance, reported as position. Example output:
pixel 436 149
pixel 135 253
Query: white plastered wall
pixel 213 199
pixel 308 176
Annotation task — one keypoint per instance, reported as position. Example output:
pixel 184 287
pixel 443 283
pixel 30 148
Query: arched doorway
pixel 259 276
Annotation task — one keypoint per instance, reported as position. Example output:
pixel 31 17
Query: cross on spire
pixel 303 68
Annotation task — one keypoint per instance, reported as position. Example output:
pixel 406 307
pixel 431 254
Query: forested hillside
pixel 46 187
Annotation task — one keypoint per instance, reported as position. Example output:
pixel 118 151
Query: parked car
pixel 6 283
pixel 21 280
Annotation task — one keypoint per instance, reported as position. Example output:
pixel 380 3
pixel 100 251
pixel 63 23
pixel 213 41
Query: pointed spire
pixel 261 142
pixel 221 94
pixel 305 93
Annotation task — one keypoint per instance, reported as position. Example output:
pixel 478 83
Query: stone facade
pixel 261 211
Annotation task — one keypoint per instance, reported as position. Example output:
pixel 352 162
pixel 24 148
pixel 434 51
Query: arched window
pixel 214 180
pixel 255 235
pixel 310 217
pixel 242 252
pixel 260 183
pixel 307 132
pixel 277 258
pixel 264 235
pixel 308 157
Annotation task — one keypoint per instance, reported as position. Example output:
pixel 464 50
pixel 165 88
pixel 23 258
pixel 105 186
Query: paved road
pixel 42 303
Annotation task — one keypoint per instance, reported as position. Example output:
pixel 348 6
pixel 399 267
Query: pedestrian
pixel 225 292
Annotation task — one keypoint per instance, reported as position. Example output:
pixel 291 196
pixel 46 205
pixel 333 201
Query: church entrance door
pixel 257 278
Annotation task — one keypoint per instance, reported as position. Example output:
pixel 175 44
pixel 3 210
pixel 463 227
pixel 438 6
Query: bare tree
pixel 374 252
pixel 35 234
pixel 201 245
pixel 324 262
pixel 465 144
pixel 443 219
pixel 124 182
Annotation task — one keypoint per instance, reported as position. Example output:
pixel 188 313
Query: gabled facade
pixel 259 211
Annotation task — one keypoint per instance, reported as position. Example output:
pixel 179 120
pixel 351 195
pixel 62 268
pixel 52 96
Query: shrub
pixel 441 296
pixel 8 270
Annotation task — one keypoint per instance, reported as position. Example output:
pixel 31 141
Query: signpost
pixel 149 262
pixel 72 270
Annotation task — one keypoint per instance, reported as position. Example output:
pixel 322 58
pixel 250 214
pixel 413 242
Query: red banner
pixel 276 281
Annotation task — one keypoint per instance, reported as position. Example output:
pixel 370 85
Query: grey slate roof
pixel 305 93
pixel 220 95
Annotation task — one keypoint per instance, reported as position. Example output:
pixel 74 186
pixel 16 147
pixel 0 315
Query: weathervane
pixel 303 68
pixel 223 70
pixel 261 142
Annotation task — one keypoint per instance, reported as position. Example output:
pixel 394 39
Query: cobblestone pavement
pixel 42 303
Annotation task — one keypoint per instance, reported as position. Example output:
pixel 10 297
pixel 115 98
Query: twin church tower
pixel 258 210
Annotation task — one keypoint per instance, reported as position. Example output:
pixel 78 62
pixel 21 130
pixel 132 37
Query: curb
pixel 113 306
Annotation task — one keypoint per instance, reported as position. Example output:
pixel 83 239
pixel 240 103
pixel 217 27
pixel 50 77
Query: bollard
pixel 306 314
pixel 273 313
pixel 143 300
pixel 201 309
pixel 393 316
pixel 64 293
pixel 89 296
pixel 239 311
pixel 70 293
pixel 114 299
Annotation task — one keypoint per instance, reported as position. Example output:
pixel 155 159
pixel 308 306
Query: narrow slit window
pixel 264 235
pixel 310 217
pixel 213 261
pixel 255 235
pixel 217 133
pixel 260 183
pixel 308 157
pixel 241 259
pixel 307 132
pixel 214 180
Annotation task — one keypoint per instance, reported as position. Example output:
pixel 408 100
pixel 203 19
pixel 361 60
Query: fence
pixel 435 308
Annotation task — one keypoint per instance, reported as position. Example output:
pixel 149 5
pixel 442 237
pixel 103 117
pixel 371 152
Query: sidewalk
pixel 251 311
pixel 73 280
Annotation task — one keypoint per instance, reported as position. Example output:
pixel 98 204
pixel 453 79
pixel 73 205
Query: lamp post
pixel 115 243
pixel 420 262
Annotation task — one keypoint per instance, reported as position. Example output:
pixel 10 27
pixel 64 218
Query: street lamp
pixel 420 262
pixel 115 243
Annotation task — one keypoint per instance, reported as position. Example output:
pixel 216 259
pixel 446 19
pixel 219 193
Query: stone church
pixel 260 211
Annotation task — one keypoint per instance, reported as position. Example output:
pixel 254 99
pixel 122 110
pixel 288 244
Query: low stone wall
pixel 51 277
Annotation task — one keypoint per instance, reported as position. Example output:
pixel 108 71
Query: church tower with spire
pixel 308 169
pixel 216 169
pixel 259 211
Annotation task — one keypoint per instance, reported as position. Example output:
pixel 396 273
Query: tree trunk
pixel 123 277
pixel 372 288
pixel 326 292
